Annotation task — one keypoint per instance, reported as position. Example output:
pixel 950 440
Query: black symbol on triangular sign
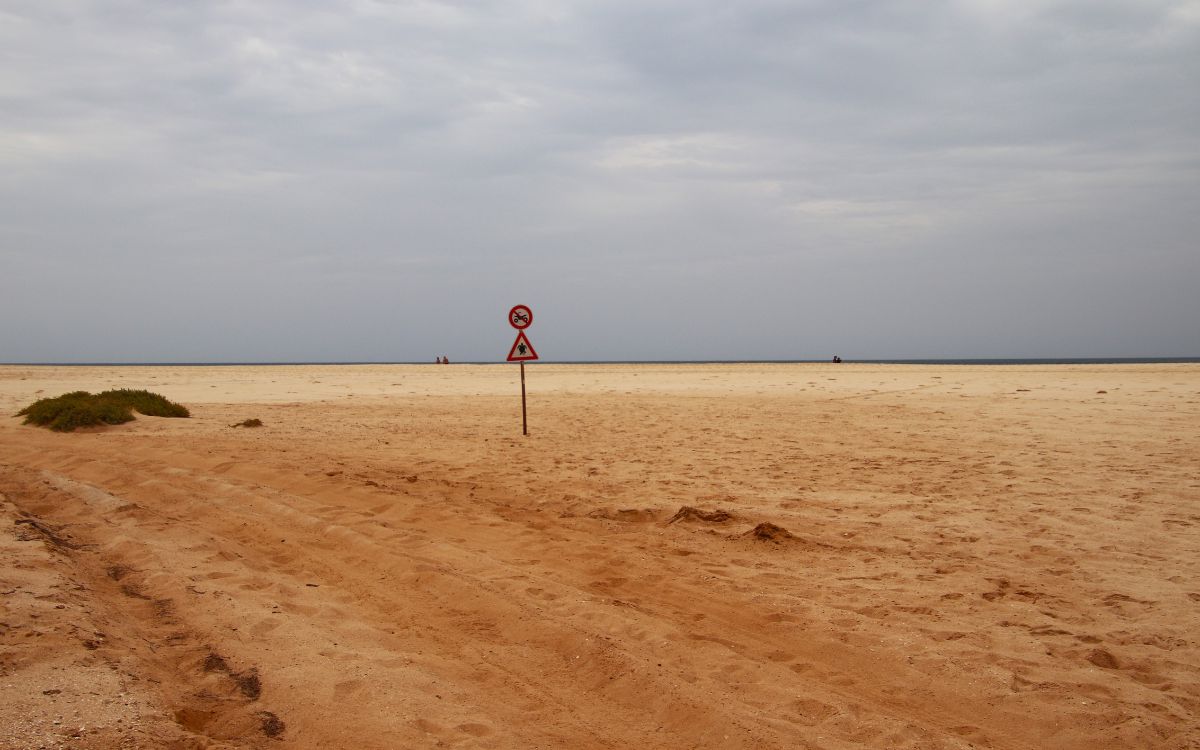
pixel 522 350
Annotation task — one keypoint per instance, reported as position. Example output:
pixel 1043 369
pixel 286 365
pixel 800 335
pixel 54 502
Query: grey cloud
pixel 382 180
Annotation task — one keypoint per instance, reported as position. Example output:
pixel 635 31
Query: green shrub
pixel 145 402
pixel 82 409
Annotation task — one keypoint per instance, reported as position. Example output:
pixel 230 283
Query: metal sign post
pixel 521 317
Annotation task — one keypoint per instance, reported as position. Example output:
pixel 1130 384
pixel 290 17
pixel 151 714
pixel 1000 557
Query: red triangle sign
pixel 522 350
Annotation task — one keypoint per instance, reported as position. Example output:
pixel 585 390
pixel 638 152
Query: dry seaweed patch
pixel 215 663
pixel 248 682
pixel 271 725
pixel 626 515
pixel 688 513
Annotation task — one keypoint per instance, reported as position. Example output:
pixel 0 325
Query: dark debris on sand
pixel 688 513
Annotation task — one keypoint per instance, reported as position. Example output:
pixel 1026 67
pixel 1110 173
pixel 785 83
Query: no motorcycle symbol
pixel 520 317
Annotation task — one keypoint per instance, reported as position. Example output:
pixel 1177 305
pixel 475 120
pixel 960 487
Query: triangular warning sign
pixel 522 350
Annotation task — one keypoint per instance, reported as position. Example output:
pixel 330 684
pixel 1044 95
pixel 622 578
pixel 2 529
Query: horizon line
pixel 882 360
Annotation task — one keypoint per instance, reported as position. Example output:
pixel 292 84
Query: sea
pixel 961 361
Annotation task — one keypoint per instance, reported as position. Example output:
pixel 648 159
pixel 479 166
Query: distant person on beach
pixel 438 360
pixel 837 359
pixel 445 360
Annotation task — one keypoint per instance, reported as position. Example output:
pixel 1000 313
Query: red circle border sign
pixel 520 317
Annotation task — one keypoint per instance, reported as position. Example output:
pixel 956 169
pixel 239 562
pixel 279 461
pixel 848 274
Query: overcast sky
pixel 261 180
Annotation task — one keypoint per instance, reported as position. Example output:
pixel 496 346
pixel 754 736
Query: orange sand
pixel 989 557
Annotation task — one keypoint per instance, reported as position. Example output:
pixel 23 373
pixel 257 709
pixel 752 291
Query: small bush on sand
pixel 83 409
pixel 249 423
pixel 145 402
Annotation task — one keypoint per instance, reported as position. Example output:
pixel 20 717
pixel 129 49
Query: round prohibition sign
pixel 520 317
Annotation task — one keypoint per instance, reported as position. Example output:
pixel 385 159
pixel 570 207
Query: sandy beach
pixel 677 556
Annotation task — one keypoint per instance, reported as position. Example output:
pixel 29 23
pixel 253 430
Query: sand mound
pixel 769 532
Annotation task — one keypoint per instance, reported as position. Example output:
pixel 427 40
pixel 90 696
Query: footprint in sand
pixel 429 727
pixel 811 712
pixel 297 609
pixel 348 688
pixel 970 732
pixel 475 730
pixel 1103 659
pixel 542 594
